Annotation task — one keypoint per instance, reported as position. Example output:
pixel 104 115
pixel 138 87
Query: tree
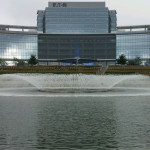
pixel 33 60
pixel 21 63
pixel 137 61
pixel 1 61
pixel 4 63
pixel 18 62
pixel 15 61
pixel 122 60
pixel 147 62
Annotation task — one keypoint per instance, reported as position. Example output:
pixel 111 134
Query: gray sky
pixel 24 12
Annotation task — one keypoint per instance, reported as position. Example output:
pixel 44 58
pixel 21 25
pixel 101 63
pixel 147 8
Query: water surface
pixel 75 123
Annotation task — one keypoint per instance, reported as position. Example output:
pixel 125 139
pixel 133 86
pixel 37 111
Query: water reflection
pixel 75 123
pixel 133 124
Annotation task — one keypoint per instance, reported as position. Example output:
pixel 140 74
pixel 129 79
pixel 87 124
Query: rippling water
pixel 75 123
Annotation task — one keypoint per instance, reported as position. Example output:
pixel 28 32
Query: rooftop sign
pixel 59 4
pixel 76 4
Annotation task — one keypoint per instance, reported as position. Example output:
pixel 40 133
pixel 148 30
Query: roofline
pixel 107 34
pixel 2 26
pixel 77 34
pixel 5 29
pixel 132 32
pixel 19 32
pixel 133 27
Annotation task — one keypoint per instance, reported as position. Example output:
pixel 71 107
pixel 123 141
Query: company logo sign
pixel 59 4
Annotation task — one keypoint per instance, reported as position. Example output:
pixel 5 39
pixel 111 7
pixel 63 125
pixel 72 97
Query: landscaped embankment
pixel 126 70
pixel 50 69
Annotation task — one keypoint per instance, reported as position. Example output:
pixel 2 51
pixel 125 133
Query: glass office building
pixel 67 30
pixel 77 46
pixel 113 20
pixel 17 44
pixel 40 21
pixel 76 18
pixel 133 44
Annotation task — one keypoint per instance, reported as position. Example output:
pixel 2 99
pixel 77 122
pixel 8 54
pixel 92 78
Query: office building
pixel 73 17
pixel 68 30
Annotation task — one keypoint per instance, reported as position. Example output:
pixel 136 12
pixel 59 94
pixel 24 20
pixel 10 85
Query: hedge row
pixel 128 67
pixel 50 69
pixel 128 70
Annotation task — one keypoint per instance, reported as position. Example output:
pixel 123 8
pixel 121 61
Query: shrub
pixel 15 61
pixel 1 61
pixel 122 60
pixel 33 60
pixel 21 63
pixel 137 61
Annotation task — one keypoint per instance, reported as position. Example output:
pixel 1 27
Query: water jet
pixel 79 84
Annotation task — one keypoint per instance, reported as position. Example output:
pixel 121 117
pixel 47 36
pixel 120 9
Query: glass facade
pixel 21 46
pixel 75 30
pixel 134 45
pixel 40 21
pixel 58 46
pixel 113 21
pixel 77 46
pixel 76 20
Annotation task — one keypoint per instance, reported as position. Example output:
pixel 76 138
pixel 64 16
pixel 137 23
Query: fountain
pixel 72 83
pixel 79 84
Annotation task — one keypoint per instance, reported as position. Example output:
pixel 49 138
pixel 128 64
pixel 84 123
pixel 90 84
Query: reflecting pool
pixel 117 119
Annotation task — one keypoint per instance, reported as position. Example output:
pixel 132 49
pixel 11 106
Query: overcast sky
pixel 24 12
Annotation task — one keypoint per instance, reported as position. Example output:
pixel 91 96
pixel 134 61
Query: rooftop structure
pixel 17 28
pixel 76 17
pixel 134 28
